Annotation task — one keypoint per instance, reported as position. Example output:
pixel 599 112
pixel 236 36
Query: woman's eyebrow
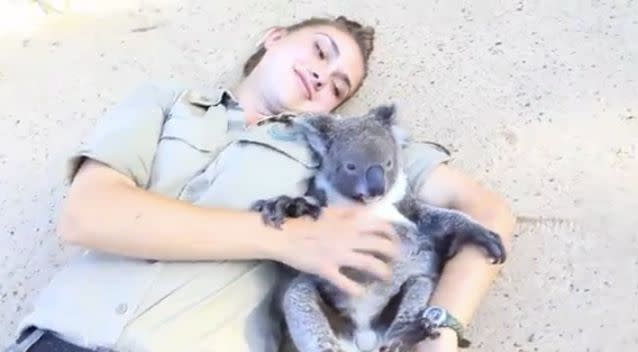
pixel 332 42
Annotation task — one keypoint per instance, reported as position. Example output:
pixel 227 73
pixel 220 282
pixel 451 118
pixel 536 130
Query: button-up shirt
pixel 194 146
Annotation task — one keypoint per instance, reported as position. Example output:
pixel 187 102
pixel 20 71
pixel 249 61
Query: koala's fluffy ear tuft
pixel 401 136
pixel 386 114
pixel 317 130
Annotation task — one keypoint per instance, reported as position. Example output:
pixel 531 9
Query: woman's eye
pixel 320 52
pixel 388 164
pixel 340 88
pixel 336 92
pixel 350 166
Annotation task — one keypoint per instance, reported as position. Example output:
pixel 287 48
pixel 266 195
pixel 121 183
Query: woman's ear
pixel 271 36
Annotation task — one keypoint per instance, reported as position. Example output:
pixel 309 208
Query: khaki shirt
pixel 192 146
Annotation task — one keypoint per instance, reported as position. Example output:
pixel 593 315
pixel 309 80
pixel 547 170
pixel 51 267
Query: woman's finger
pixel 344 283
pixel 369 263
pixel 373 243
pixel 380 227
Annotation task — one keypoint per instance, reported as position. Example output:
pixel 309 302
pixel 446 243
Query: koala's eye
pixel 388 164
pixel 350 167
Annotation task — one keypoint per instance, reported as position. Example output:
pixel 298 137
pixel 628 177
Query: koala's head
pixel 360 154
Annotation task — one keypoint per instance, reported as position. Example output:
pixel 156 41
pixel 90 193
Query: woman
pixel 159 196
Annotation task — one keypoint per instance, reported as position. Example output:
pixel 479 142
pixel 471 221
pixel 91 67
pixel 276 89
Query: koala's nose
pixel 375 181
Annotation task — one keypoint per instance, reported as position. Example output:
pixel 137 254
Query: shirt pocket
pixel 261 162
pixel 190 138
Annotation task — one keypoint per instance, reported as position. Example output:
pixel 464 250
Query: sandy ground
pixel 537 99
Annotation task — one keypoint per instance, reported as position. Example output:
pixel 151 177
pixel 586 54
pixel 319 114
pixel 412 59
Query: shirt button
pixel 121 308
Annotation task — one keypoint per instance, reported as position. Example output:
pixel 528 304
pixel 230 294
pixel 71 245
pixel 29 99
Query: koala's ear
pixel 318 131
pixel 386 114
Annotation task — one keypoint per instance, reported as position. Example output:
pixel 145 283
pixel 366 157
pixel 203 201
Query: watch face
pixel 436 315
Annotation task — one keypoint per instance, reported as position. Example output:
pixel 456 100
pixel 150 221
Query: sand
pixel 537 99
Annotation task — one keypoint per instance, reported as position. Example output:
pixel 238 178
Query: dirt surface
pixel 537 99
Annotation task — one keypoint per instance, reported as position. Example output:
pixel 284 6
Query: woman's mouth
pixel 304 84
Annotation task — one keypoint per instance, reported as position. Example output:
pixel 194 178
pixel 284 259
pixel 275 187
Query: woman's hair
pixel 363 36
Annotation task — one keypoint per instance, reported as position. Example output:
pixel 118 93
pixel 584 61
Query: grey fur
pixel 318 317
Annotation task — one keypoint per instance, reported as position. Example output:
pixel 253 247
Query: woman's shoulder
pixel 188 92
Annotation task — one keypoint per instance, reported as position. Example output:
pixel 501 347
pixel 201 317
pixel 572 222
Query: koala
pixel 361 163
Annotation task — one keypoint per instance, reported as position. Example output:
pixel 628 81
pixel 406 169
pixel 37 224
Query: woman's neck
pixel 253 108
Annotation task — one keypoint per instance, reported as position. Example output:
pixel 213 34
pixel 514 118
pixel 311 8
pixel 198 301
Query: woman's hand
pixel 341 237
pixel 446 342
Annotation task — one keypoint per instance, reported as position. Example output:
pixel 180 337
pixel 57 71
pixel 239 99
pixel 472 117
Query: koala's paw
pixel 406 343
pixel 333 349
pixel 394 346
pixel 401 337
pixel 300 206
pixel 427 328
pixel 325 344
pixel 272 210
pixel 275 211
pixel 482 237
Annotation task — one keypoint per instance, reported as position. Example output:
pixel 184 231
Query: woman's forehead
pixel 343 41
pixel 343 45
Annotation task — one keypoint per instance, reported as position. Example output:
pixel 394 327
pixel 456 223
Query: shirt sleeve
pixel 421 158
pixel 127 136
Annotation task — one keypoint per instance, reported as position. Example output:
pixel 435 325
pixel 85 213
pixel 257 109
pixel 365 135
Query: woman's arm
pixel 468 276
pixel 109 208
pixel 106 211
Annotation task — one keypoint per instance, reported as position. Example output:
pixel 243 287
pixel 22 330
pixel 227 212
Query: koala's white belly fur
pixel 365 337
pixel 361 309
pixel 384 208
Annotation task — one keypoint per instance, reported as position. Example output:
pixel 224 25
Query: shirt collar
pixel 224 97
pixel 236 115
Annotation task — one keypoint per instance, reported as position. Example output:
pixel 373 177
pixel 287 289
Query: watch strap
pixel 443 319
pixel 453 323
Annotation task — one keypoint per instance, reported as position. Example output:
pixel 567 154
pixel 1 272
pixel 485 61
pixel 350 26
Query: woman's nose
pixel 317 80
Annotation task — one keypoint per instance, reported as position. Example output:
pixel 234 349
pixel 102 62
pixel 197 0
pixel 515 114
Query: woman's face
pixel 312 69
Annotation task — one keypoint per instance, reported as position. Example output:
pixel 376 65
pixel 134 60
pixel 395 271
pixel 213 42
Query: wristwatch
pixel 439 317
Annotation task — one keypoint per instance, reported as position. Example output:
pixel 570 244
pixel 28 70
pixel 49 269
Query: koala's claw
pixel 395 346
pixel 402 337
pixel 428 328
pixel 496 249
pixel 299 206
pixel 275 211
pixel 487 239
pixel 271 212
